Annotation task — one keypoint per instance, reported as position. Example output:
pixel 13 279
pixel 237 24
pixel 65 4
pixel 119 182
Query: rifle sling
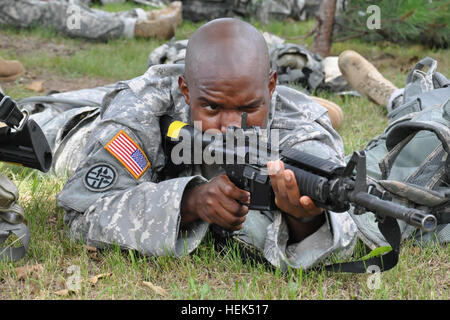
pixel 9 113
pixel 391 231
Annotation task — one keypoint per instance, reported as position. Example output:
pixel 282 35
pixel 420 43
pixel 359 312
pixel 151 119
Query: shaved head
pixel 226 46
pixel 227 72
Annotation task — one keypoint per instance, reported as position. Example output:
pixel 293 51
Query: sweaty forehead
pixel 226 48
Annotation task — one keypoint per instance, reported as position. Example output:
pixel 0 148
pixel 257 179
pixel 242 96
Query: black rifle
pixel 330 185
pixel 22 141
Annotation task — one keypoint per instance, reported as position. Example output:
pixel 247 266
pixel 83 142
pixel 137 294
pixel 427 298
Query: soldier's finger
pixel 217 218
pixel 229 204
pixel 281 192
pixel 230 221
pixel 206 216
pixel 293 193
pixel 243 211
pixel 230 190
pixel 309 205
pixel 274 168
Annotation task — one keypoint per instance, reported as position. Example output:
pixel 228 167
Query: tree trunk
pixel 325 17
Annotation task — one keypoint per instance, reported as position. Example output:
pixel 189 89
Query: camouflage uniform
pixel 113 206
pixel 199 10
pixel 60 14
pixel 263 10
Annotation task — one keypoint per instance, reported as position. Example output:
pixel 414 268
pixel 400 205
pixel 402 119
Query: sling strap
pixel 22 233
pixel 391 231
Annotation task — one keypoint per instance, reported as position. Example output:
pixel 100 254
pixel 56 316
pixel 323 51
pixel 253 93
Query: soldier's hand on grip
pixel 218 201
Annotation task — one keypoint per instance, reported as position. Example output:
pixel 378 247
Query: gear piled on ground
pixel 161 23
pixel 263 11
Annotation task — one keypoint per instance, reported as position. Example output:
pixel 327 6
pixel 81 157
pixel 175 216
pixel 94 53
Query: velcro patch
pixel 100 177
pixel 124 149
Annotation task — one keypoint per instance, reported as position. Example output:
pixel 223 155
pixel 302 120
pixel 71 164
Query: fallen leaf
pixel 91 249
pixel 93 280
pixel 52 220
pixel 62 293
pixel 66 292
pixel 157 289
pixel 23 272
pixel 37 86
pixel 94 256
pixel 92 253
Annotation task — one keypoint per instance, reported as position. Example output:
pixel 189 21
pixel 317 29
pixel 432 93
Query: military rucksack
pixel 411 159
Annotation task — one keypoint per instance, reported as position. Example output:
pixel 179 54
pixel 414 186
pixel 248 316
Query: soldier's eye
pixel 210 108
pixel 249 109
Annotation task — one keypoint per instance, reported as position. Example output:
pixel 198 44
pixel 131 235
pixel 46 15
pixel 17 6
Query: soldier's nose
pixel 230 119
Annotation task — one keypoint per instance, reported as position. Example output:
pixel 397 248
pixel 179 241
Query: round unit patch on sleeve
pixel 100 177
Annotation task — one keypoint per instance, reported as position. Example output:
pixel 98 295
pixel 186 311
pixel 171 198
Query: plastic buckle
pixel 24 121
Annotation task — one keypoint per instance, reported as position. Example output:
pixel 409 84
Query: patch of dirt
pixel 61 84
pixel 20 44
pixel 32 44
pixel 56 82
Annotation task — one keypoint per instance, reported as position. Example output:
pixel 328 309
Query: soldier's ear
pixel 182 84
pixel 272 81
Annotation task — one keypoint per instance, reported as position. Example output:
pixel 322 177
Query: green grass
pixel 209 272
pixel 124 6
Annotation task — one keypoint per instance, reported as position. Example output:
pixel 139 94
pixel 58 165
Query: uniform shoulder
pixel 161 76
pixel 293 105
pixel 156 91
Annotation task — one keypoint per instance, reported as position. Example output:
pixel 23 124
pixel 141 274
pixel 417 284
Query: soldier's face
pixel 219 101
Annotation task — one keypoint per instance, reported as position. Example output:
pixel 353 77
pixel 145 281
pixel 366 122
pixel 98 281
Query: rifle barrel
pixel 417 218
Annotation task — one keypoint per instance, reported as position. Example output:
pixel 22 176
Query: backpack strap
pixel 425 62
pixel 440 81
pixel 420 102
pixel 405 129
pixel 11 221
pixel 422 90
pixel 403 133
pixel 23 235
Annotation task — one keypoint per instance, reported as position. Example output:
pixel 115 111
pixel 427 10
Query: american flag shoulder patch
pixel 124 149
